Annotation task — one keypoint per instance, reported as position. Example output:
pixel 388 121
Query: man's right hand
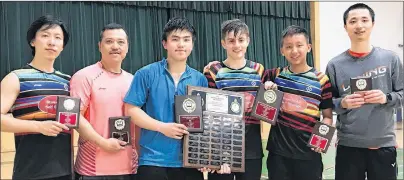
pixel 173 130
pixel 352 101
pixel 51 128
pixel 112 145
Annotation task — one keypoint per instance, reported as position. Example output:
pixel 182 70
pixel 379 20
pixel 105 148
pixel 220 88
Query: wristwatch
pixel 388 97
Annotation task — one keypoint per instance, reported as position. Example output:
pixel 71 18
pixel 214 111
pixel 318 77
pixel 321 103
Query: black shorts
pixel 358 163
pixel 166 173
pixel 68 177
pixel 112 177
pixel 284 168
pixel 253 169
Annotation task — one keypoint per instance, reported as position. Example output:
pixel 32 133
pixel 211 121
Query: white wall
pixel 387 32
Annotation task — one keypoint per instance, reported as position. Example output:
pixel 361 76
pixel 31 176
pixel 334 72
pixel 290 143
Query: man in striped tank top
pixel 43 146
pixel 307 95
pixel 237 74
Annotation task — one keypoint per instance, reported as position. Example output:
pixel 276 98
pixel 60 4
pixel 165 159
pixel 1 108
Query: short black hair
pixel 234 25
pixel 178 23
pixel 293 30
pixel 49 21
pixel 359 6
pixel 112 26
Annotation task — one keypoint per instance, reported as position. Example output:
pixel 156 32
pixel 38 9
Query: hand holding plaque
pixel 321 136
pixel 361 85
pixel 68 111
pixel 119 128
pixel 267 104
pixel 188 111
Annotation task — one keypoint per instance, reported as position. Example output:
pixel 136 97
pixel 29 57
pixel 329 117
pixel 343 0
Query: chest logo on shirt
pixel 323 130
pixel 119 124
pixel 309 89
pixel 66 87
pixel 235 106
pixel 361 84
pixel 48 104
pixel 269 96
pixel 253 83
pixel 189 105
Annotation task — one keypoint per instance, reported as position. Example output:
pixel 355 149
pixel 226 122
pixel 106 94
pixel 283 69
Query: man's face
pixel 236 46
pixel 113 45
pixel 48 43
pixel 359 25
pixel 179 45
pixel 295 49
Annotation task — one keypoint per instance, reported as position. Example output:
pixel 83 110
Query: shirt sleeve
pixel 80 87
pixel 336 97
pixel 203 81
pixel 138 90
pixel 270 75
pixel 397 83
pixel 326 93
pixel 211 75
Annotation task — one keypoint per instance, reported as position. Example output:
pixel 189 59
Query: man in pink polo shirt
pixel 102 87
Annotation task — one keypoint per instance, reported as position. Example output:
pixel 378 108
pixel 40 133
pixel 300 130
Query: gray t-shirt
pixel 371 125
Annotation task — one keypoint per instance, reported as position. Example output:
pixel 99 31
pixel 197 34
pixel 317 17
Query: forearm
pixel 398 84
pixel 14 125
pixel 141 119
pixel 87 132
pixel 327 116
pixel 137 139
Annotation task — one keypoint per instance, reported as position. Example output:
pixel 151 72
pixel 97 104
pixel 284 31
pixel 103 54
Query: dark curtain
pixel 144 22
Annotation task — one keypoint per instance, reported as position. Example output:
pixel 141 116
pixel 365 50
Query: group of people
pixel 366 145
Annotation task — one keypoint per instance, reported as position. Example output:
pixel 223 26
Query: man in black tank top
pixel 43 146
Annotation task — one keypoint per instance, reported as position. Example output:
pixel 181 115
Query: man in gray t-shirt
pixel 366 138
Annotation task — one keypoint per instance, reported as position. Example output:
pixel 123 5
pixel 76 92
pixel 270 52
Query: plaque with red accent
pixel 223 138
pixel 188 111
pixel 266 105
pixel 68 111
pixel 321 136
pixel 119 128
pixel 361 84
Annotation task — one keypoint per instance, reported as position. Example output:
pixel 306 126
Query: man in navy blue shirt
pixel 150 103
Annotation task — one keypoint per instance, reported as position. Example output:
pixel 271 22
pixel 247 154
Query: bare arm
pixel 87 132
pixel 10 88
pixel 141 119
pixel 327 116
